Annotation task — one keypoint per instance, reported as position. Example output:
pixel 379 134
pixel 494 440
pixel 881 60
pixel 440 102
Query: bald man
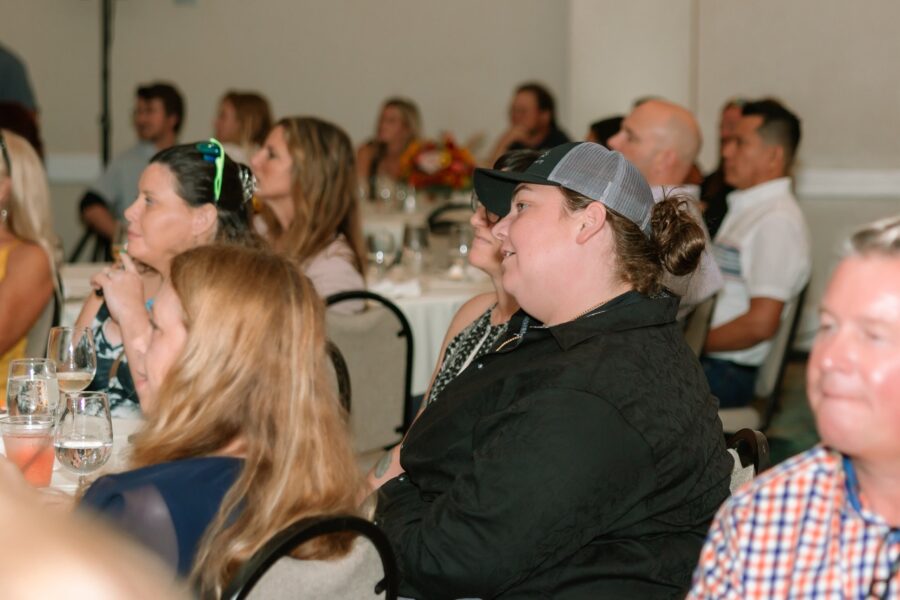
pixel 662 140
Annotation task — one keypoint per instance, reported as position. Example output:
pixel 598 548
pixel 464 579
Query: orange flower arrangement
pixel 437 167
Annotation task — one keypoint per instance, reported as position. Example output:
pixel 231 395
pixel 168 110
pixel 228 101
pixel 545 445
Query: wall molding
pixel 848 182
pixel 63 168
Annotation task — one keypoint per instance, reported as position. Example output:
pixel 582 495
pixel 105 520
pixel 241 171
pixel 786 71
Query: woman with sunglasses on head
pixel 307 180
pixel 583 456
pixel 189 195
pixel 28 247
pixel 480 322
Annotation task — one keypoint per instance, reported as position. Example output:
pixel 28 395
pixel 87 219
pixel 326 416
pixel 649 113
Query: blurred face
pixel 167 340
pixel 748 159
pixel 638 139
pixel 535 238
pixel 853 378
pixel 728 123
pixel 226 126
pixel 159 220
pixel 485 251
pixel 524 113
pixel 392 127
pixel 151 123
pixel 274 167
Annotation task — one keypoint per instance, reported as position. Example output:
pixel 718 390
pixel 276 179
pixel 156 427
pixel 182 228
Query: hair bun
pixel 248 182
pixel 677 235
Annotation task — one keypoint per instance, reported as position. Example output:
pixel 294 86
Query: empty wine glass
pixel 460 243
pixel 72 351
pixel 83 437
pixel 382 250
pixel 31 387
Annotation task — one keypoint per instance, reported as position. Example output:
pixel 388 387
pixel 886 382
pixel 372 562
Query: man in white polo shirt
pixel 762 249
pixel 662 139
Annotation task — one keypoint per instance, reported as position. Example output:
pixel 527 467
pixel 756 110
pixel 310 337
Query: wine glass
pixel 382 250
pixel 83 437
pixel 72 351
pixel 31 387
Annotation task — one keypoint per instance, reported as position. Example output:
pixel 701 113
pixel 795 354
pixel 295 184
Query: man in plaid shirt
pixel 826 524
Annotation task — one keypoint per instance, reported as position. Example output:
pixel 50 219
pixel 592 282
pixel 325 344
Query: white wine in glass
pixel 72 350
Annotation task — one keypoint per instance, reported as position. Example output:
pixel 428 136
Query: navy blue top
pixel 166 507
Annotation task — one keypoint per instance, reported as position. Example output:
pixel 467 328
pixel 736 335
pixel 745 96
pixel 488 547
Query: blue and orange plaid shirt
pixel 800 531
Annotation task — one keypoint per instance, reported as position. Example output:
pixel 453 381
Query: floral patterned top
pixel 474 341
pixel 113 375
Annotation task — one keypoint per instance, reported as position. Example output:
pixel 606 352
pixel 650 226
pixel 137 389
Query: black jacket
pixel 584 460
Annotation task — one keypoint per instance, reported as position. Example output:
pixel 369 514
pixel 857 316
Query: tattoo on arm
pixel 383 463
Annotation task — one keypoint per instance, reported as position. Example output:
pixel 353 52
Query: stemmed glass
pixel 72 350
pixel 461 242
pixel 382 250
pixel 83 437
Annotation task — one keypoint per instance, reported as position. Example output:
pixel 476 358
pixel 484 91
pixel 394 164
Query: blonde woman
pixel 242 122
pixel 28 247
pixel 305 175
pixel 244 434
pixel 399 124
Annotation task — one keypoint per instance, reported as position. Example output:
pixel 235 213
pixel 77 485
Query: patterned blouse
pixel 113 375
pixel 474 341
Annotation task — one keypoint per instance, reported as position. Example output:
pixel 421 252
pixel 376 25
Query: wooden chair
pixel 750 450
pixel 696 325
pixel 271 574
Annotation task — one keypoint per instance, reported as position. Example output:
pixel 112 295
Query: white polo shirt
pixel 763 251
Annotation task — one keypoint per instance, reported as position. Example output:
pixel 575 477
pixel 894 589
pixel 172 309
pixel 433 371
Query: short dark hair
pixel 545 101
pixel 195 181
pixel 171 98
pixel 605 129
pixel 780 126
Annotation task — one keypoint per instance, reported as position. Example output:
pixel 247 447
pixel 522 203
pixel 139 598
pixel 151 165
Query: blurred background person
pixel 600 131
pixel 715 189
pixel 18 119
pixel 176 208
pixel 532 122
pixel 29 249
pixel 158 117
pixel 399 124
pixel 15 85
pixel 306 175
pixel 242 121
pixel 244 432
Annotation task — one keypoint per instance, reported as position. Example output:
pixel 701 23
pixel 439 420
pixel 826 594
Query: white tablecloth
pixel 429 313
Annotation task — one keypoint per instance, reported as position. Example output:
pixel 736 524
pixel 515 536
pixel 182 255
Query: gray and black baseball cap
pixel 583 167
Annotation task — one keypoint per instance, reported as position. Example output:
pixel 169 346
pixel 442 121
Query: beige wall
pixel 620 51
pixel 833 61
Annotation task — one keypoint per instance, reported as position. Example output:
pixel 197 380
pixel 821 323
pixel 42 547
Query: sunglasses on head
pixel 491 218
pixel 5 151
pixel 213 151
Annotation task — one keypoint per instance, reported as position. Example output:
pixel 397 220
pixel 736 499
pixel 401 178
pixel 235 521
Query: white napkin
pixel 409 288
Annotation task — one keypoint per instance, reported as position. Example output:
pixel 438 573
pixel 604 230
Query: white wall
pixel 620 51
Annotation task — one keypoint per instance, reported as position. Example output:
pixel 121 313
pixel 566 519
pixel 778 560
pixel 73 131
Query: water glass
pixel 72 351
pixel 83 437
pixel 415 247
pixel 32 387
pixel 382 250
pixel 27 440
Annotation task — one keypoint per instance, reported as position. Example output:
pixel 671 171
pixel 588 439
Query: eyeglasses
pixel 491 218
pixel 5 151
pixel 213 151
pixel 880 588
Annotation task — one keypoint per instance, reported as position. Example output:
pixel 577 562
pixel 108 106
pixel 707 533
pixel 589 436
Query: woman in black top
pixel 583 457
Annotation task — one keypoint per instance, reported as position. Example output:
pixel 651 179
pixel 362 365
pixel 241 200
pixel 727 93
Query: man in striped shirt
pixel 826 524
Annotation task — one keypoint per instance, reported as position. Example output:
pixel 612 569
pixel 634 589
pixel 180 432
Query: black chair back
pixel 341 374
pixel 752 448
pixel 304 530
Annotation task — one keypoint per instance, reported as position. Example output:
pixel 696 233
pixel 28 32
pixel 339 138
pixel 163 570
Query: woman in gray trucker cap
pixel 583 457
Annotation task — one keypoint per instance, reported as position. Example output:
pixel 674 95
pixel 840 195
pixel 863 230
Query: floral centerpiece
pixel 438 168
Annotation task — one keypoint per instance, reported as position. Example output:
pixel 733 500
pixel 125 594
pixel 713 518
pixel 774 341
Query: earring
pixel 4 215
